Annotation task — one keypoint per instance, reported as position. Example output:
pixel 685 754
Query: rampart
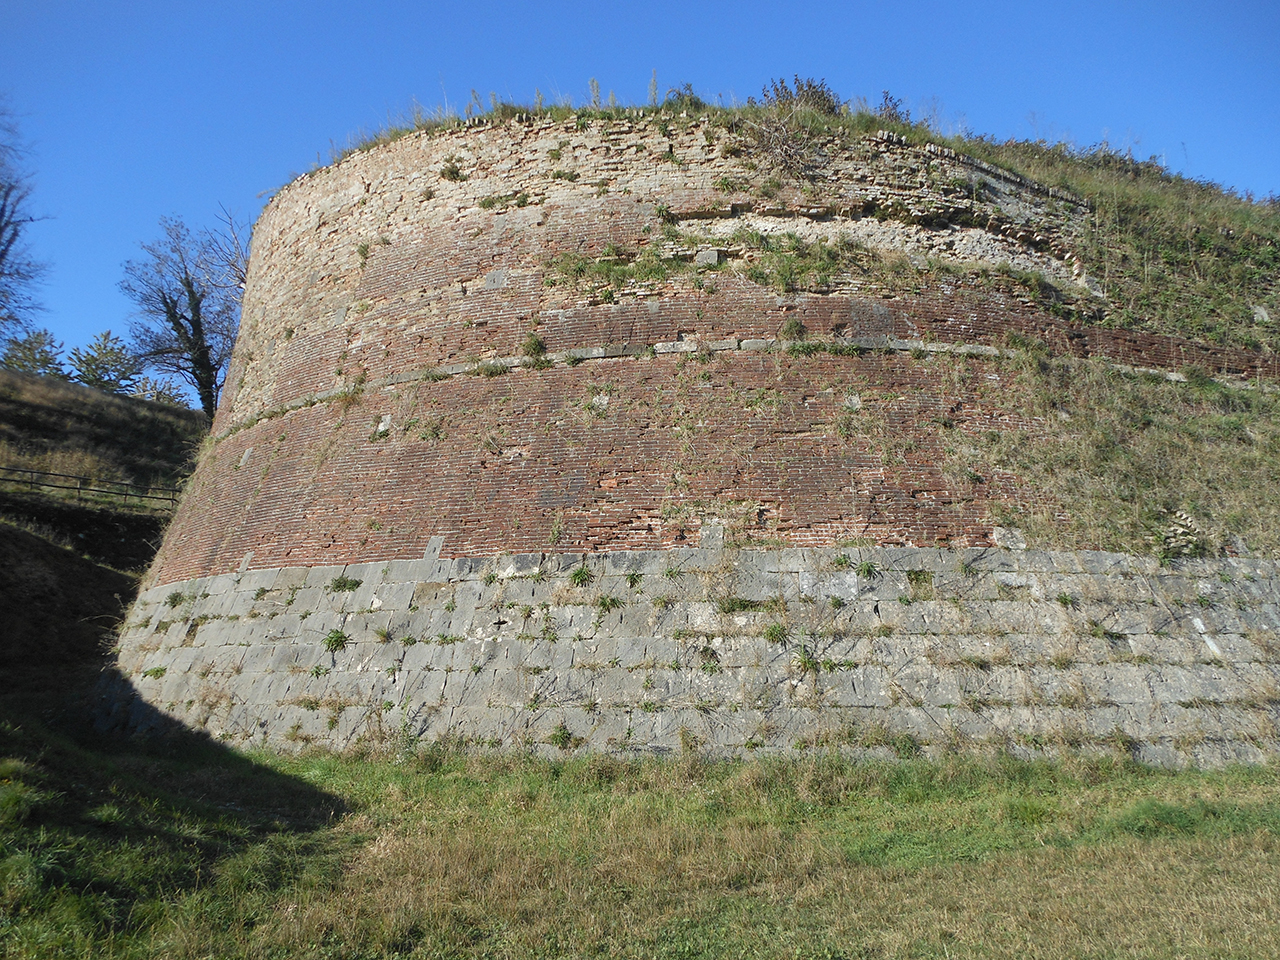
pixel 542 389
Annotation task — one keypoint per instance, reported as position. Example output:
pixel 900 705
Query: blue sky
pixel 137 110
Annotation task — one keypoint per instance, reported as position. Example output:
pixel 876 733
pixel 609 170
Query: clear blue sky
pixel 137 110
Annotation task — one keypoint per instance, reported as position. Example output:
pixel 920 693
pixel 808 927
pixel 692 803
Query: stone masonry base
pixel 879 651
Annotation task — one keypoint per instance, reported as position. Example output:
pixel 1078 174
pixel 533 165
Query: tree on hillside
pixel 37 352
pixel 106 364
pixel 188 294
pixel 159 391
pixel 18 271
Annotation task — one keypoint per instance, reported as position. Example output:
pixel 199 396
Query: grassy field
pixel 202 852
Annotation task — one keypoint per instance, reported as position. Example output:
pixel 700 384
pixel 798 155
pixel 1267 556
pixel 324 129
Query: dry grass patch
pixel 67 428
pixel 1113 460
pixel 505 855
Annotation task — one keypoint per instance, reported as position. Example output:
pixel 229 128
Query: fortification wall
pixel 603 509
pixel 879 651
pixel 350 429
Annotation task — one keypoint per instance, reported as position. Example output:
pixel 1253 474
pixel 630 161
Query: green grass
pixel 613 270
pixel 788 263
pixel 1173 255
pixel 101 850
pixel 444 853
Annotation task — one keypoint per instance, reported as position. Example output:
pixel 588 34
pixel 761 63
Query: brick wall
pixel 347 433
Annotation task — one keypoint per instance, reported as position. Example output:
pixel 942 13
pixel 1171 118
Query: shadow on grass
pixel 102 834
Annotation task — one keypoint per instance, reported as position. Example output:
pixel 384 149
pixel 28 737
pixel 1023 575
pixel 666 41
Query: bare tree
pixel 188 292
pixel 230 248
pixel 18 271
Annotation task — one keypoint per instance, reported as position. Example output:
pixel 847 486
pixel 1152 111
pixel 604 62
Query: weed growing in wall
pixel 615 269
pixel 451 170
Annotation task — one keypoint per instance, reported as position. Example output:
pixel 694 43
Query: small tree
pixel 159 391
pixel 188 294
pixel 106 364
pixel 38 352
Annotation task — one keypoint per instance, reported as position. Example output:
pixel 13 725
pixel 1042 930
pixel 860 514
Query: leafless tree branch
pixel 188 290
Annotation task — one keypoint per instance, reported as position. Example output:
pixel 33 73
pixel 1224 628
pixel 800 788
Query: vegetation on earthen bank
pixel 440 853
pixel 50 425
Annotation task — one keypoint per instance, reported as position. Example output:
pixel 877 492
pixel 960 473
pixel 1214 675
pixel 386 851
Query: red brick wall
pixel 762 440
pixel 528 462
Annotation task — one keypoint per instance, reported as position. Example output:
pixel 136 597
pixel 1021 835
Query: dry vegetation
pixel 59 427
pixel 449 854
pixel 1112 456
pixel 1173 255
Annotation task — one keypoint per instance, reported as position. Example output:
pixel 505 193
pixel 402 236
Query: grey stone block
pixel 321 577
pixel 218 585
pixel 993 655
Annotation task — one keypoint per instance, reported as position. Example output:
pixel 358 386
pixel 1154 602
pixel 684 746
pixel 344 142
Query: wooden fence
pixel 163 498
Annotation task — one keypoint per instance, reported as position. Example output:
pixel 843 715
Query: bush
pixel 809 94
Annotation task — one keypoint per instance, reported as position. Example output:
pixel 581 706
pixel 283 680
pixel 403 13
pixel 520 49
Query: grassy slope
pixel 59 608
pixel 121 539
pixel 61 427
pixel 1112 457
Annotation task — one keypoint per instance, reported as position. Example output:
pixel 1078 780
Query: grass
pixel 613 270
pixel 336 641
pixel 101 849
pixel 445 853
pixel 1123 458
pixel 788 263
pixel 1173 255
pixel 67 428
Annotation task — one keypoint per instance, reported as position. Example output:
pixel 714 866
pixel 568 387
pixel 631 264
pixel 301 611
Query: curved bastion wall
pixel 472 359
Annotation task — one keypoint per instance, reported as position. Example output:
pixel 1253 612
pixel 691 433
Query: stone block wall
pixel 728 651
